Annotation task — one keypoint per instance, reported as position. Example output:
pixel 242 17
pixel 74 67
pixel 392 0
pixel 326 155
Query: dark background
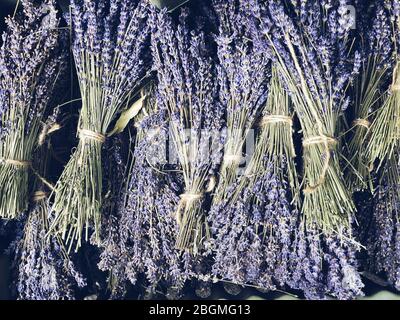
pixel 6 8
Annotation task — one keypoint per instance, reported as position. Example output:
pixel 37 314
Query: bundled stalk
pixel 141 232
pixel 144 227
pixel 385 129
pixel 275 142
pixel 108 45
pixel 42 266
pixel 368 87
pixel 313 66
pixel 31 61
pixel 187 92
pixel 243 75
pixel 252 229
pixel 316 69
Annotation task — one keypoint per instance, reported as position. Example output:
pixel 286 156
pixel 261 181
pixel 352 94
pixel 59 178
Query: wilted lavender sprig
pixel 187 91
pixel 32 59
pixel 109 42
pixel 312 46
pixel 243 76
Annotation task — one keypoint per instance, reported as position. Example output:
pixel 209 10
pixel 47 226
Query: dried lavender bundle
pixel 109 39
pixel 42 267
pixel 31 61
pixel 383 241
pixel 385 129
pixel 368 87
pixel 311 45
pixel 143 239
pixel 187 91
pixel 243 76
pixel 256 221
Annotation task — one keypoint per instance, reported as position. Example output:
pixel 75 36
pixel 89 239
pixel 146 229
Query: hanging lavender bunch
pixel 252 235
pixel 42 268
pixel 311 46
pixel 109 40
pixel 383 241
pixel 187 92
pixel 377 49
pixel 243 74
pixel 143 239
pixel 31 61
pixel 385 129
pixel 256 222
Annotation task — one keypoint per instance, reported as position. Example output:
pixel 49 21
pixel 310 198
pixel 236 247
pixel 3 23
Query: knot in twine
pixel 395 87
pixel 362 123
pixel 85 134
pixel 232 158
pixel 277 118
pixel 38 196
pixel 17 163
pixel 91 135
pixel 329 143
pixel 186 199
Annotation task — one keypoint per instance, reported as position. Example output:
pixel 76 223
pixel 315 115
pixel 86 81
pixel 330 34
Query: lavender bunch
pixel 109 40
pixel 243 75
pixel 311 45
pixel 256 222
pixel 143 235
pixel 369 87
pixel 42 267
pixel 31 62
pixel 383 241
pixel 187 92
pixel 385 129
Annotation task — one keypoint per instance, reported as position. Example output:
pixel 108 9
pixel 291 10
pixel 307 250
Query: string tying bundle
pixel 17 163
pixel 39 196
pixel 232 158
pixel 329 144
pixel 269 119
pixel 185 200
pixel 85 134
pixel 362 123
